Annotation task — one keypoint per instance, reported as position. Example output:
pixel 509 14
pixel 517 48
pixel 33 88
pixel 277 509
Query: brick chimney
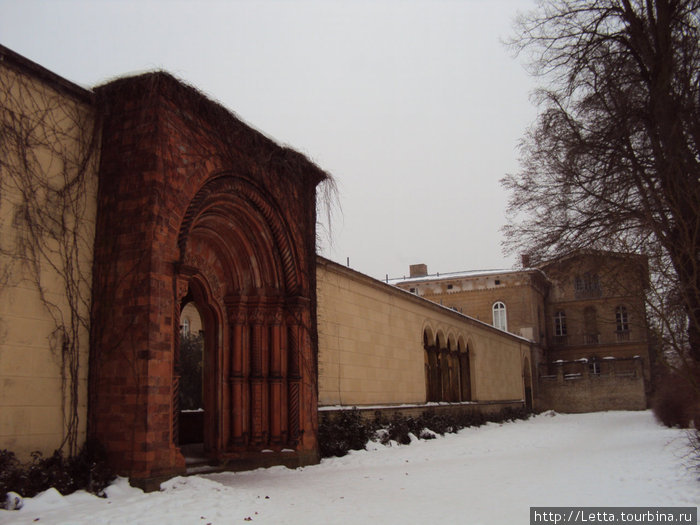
pixel 418 270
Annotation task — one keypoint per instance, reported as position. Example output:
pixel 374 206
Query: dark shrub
pixel 399 429
pixel 675 402
pixel 87 470
pixel 342 432
pixel 10 474
pixel 90 470
pixel 467 419
pixel 512 414
pixel 347 430
pixel 694 442
pixel 439 423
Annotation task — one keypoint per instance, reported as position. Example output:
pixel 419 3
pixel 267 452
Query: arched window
pixel 464 376
pixel 500 319
pixel 622 325
pixel 432 368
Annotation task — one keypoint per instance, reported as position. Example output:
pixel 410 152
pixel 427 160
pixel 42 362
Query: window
pixel 560 324
pixel 622 326
pixel 590 323
pixel 500 320
pixel 621 319
pixel 587 285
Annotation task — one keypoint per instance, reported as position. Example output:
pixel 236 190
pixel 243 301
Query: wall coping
pixel 467 274
pixel 16 61
pixel 335 408
pixel 405 294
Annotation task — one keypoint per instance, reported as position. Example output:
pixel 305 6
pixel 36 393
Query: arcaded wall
pixel 371 344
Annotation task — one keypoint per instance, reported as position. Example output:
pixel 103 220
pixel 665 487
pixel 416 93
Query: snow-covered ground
pixel 489 475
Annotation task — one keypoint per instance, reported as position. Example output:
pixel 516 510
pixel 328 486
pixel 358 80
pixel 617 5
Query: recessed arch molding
pixel 193 203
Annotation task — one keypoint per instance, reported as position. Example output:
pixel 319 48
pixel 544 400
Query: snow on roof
pixel 455 275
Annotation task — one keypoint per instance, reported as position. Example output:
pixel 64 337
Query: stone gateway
pixel 195 206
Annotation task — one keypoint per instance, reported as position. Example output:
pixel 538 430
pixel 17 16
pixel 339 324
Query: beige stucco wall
pixel 371 344
pixel 37 313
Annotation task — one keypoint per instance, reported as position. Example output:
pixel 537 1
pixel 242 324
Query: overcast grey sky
pixel 415 107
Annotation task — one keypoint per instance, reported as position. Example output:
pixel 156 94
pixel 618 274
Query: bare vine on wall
pixel 47 164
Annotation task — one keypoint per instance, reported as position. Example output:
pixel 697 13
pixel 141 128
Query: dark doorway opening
pixel 191 368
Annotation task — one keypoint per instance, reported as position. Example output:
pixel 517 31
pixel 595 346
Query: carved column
pixel 238 373
pixel 258 392
pixel 277 378
pixel 293 379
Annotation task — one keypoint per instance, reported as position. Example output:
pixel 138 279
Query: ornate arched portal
pixel 240 266
pixel 194 205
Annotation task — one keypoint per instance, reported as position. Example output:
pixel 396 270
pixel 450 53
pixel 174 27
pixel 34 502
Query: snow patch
pixel 48 500
pixel 13 501
pixel 187 483
pixel 120 488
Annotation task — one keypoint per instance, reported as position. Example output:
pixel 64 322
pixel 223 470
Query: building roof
pixel 590 252
pixel 229 126
pixel 16 61
pixel 457 275
pixel 237 137
pixel 388 288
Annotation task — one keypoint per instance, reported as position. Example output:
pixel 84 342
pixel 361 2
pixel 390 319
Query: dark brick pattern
pixel 195 205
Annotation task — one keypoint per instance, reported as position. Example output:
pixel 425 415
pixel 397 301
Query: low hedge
pixel 87 470
pixel 347 430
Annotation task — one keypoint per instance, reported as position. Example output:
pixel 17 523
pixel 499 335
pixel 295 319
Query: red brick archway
pixel 193 203
pixel 239 265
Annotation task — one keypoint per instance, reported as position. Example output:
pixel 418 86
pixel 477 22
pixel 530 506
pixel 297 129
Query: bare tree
pixel 613 160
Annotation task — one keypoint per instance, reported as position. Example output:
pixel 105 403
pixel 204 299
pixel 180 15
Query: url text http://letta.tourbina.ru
pixel 583 515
